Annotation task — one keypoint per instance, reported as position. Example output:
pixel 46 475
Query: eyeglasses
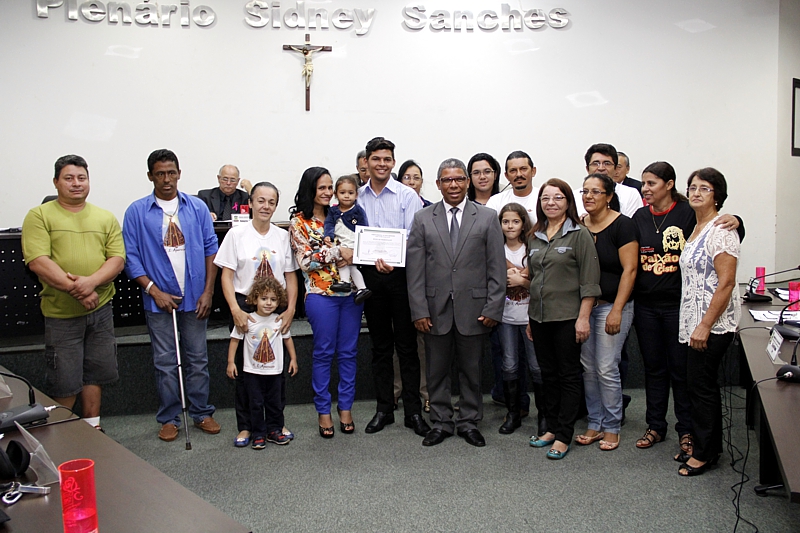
pixel 447 181
pixel 694 188
pixel 408 177
pixel 607 164
pixel 557 198
pixel 593 192
pixel 229 180
pixel 485 172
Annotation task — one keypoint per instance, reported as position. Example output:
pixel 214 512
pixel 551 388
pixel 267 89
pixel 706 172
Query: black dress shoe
pixel 472 436
pixel 434 437
pixel 379 421
pixel 341 286
pixel 418 424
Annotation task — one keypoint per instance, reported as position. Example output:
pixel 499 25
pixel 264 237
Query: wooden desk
pixel 132 495
pixel 778 427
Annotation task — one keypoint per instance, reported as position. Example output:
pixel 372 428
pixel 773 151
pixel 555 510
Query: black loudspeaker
pixel 14 461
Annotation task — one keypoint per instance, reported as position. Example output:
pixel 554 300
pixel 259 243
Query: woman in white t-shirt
pixel 252 251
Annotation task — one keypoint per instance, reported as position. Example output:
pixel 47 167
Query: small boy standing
pixel 263 362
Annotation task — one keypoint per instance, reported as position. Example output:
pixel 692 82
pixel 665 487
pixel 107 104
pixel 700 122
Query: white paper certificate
pixel 372 244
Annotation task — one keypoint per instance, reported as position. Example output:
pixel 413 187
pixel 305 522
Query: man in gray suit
pixel 456 271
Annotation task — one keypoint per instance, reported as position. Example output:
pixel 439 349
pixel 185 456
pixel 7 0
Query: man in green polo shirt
pixel 77 251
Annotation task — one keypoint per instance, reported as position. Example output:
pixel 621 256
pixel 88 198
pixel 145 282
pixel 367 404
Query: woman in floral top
pixel 334 317
pixel 709 314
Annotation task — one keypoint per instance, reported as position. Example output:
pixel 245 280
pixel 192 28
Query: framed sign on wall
pixel 796 117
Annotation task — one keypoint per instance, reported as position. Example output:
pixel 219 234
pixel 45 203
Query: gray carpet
pixel 389 482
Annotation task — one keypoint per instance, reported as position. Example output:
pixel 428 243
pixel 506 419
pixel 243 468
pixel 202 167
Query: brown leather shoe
pixel 168 432
pixel 208 425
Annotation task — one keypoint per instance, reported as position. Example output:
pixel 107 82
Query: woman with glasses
pixel 661 229
pixel 709 314
pixel 565 280
pixel 484 173
pixel 615 240
pixel 410 175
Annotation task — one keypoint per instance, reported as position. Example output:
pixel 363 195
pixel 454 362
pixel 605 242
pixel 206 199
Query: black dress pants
pixel 390 328
pixel 702 371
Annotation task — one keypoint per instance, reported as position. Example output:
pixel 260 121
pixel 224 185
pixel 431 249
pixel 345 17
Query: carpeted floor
pixel 389 482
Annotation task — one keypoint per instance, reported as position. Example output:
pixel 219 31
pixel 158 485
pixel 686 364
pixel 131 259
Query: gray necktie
pixel 454 228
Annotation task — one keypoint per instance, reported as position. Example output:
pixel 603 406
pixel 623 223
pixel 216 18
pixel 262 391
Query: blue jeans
pixel 600 356
pixel 194 361
pixel 664 365
pixel 336 323
pixel 511 337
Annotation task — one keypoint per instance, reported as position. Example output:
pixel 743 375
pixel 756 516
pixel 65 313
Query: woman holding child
pixel 335 317
pixel 251 252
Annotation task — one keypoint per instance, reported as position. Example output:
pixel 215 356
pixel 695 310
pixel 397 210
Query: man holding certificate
pixel 456 287
pixel 390 208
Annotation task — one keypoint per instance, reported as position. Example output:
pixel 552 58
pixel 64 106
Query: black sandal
pixel 326 433
pixel 649 439
pixel 682 457
pixel 346 427
pixel 687 444
pixel 697 470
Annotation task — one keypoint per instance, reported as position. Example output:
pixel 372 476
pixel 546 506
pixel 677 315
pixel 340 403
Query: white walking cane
pixel 180 377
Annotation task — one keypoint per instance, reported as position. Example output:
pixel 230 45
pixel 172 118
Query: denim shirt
pixel 141 230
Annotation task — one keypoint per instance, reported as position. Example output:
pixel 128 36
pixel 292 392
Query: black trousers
pixel 559 357
pixel 390 328
pixel 702 371
pixel 266 410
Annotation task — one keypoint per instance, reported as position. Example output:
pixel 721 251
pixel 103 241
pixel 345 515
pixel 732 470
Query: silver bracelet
pixel 147 289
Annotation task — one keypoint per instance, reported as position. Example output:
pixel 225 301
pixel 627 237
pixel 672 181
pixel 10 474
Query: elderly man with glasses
pixel 226 199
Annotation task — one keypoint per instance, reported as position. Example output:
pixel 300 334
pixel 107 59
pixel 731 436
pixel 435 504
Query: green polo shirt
pixel 77 242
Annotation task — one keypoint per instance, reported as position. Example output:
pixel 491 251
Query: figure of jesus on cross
pixel 308 67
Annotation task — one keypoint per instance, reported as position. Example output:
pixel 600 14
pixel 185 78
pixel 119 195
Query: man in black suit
pixel 621 173
pixel 456 270
pixel 226 199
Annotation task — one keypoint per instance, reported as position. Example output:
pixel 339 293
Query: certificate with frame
pixel 372 244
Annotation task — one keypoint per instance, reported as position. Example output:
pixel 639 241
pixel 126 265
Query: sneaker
pixel 259 443
pixel 208 425
pixel 277 437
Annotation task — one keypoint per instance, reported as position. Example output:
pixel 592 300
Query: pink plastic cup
pixel 78 504
pixel 760 271
pixel 794 295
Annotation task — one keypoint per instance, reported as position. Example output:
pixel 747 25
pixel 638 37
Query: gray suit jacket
pixel 456 288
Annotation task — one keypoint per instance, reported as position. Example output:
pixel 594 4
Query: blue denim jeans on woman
pixel 600 356
pixel 512 338
pixel 194 361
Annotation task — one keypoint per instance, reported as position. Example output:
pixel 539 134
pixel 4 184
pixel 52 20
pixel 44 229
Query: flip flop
pixel 585 440
pixel 607 446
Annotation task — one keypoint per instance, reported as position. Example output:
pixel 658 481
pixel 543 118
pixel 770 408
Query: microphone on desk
pixel 29 414
pixel 752 296
pixel 789 329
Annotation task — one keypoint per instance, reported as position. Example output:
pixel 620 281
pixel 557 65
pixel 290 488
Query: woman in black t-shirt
pixel 615 241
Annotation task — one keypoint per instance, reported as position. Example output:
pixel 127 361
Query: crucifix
pixel 308 67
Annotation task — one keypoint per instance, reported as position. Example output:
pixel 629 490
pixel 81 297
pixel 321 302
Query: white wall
pixel 788 182
pixel 229 94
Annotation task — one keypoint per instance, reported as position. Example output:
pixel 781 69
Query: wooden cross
pixel 308 67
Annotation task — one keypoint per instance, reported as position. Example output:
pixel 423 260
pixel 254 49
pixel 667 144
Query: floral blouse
pixel 700 281
pixel 317 261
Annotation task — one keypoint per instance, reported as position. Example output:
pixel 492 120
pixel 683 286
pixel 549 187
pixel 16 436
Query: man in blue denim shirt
pixel 172 245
